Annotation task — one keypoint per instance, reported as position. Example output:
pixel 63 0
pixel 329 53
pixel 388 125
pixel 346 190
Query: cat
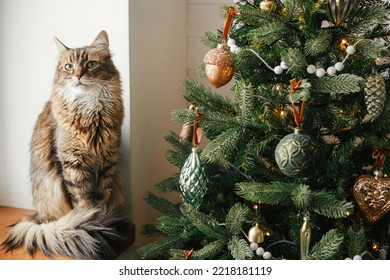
pixel 74 172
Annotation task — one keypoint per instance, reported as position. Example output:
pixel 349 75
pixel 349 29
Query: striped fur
pixel 74 152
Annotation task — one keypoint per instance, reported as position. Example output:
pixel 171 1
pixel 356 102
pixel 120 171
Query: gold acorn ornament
pixel 219 64
pixel 374 95
pixel 372 193
pixel 337 11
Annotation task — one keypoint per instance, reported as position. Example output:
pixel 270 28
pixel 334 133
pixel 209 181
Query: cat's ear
pixel 60 46
pixel 101 40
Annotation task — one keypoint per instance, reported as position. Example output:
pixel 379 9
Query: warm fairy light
pixel 282 113
pixel 375 246
pixel 267 233
pixel 347 213
pixel 278 87
pixel 341 111
pixel 344 43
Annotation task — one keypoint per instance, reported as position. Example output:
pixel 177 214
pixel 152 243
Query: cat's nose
pixel 78 73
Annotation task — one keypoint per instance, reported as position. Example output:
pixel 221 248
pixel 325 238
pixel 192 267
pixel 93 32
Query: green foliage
pixel 340 84
pixel 296 62
pixel 244 129
pixel 239 249
pixel 328 247
pixel 357 242
pixel 200 95
pixel 205 224
pixel 223 145
pixel 153 250
pixel 163 205
pixel 319 44
pixel 270 193
pixel 235 218
pixel 209 251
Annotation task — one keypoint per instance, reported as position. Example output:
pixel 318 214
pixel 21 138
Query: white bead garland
pixel 254 246
pixel 232 46
pixel 331 70
pixel 278 70
pixel 339 66
pixel 320 72
pixel 351 50
pixel 260 251
pixel 267 255
pixel 311 69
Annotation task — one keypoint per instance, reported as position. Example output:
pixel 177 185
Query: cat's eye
pixel 69 67
pixel 91 64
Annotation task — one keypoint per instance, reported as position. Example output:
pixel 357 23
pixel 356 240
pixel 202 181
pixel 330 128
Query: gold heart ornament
pixel 372 194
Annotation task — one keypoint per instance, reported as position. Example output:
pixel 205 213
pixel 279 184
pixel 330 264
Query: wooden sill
pixel 9 216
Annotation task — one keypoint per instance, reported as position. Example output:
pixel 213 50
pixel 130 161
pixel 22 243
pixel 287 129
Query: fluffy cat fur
pixel 74 151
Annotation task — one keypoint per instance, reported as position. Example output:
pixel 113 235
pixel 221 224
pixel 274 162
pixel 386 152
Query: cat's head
pixel 85 70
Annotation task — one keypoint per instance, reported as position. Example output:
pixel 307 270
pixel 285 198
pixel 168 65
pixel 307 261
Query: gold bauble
pixel 219 65
pixel 255 234
pixel 267 5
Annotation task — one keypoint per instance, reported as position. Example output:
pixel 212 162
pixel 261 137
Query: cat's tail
pixel 80 234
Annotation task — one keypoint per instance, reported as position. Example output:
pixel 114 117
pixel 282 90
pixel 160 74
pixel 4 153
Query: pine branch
pixel 365 18
pixel 356 241
pixel 296 62
pixel 177 143
pixel 209 251
pixel 319 44
pixel 221 146
pixel 327 247
pixel 200 95
pixel 170 184
pixel 155 249
pixel 239 249
pixel 205 224
pixel 268 33
pixel 170 225
pixel 320 202
pixel 273 193
pixel 373 49
pixel 235 218
pixel 214 123
pixel 184 116
pixel 211 40
pixel 164 206
pixel 327 205
pixel 341 84
pixel 247 104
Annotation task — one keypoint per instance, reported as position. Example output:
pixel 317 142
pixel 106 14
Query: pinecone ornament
pixel 193 179
pixel 374 96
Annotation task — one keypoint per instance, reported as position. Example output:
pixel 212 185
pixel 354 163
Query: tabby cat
pixel 74 152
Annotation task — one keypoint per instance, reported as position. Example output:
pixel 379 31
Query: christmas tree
pixel 294 166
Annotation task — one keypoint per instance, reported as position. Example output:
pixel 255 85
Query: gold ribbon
pixel 228 22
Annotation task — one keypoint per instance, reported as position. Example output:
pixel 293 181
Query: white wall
pixel 158 70
pixel 27 62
